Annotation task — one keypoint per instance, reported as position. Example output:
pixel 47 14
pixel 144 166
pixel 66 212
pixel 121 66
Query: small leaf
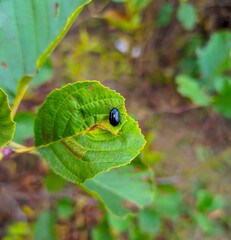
pixel 207 225
pixel 102 231
pixel 169 205
pixel 123 190
pixel 74 136
pixel 53 182
pixel 137 5
pixel 221 102
pixel 119 1
pixel 18 231
pixel 190 88
pixel 149 221
pixel 64 207
pixel 7 125
pixel 221 82
pixel 165 15
pixel 214 58
pixel 188 67
pixel 118 224
pixel 186 15
pixel 193 43
pixel 45 226
pixel 204 200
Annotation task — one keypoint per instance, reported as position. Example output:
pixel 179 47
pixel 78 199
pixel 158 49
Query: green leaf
pixel 29 32
pixel 149 156
pixel 186 15
pixel 136 234
pixel 214 58
pixel 188 66
pixel 221 82
pixel 7 125
pixel 169 205
pixel 53 182
pixel 123 190
pixel 74 136
pixel 204 200
pixel 64 207
pixel 189 87
pixel 24 126
pixel 44 75
pixel 221 103
pixel 165 15
pixel 207 225
pixel 101 231
pixel 18 231
pixel 149 221
pixel 193 43
pixel 137 5
pixel 119 1
pixel 44 226
pixel 118 224
pixel 208 202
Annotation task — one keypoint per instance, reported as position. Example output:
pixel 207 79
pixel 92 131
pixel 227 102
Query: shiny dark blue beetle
pixel 114 117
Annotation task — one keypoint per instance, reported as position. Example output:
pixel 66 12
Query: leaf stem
pixel 16 145
pixel 22 148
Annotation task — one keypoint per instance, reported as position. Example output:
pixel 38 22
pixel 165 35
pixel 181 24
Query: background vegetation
pixel 171 61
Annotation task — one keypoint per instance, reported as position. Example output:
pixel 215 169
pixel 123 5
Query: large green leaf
pixel 73 132
pixel 123 189
pixel 7 126
pixel 214 58
pixel 29 32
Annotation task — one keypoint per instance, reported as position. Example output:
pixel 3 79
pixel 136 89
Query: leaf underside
pixel 123 190
pixel 29 32
pixel 73 132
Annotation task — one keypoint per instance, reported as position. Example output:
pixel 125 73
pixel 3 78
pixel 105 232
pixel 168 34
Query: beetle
pixel 114 117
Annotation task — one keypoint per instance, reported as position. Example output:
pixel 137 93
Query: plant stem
pixel 22 148
pixel 16 145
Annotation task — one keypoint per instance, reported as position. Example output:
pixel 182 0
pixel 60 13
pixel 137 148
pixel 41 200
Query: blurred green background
pixel 171 61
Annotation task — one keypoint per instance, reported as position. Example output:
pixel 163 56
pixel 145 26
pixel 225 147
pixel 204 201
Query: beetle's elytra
pixel 114 117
